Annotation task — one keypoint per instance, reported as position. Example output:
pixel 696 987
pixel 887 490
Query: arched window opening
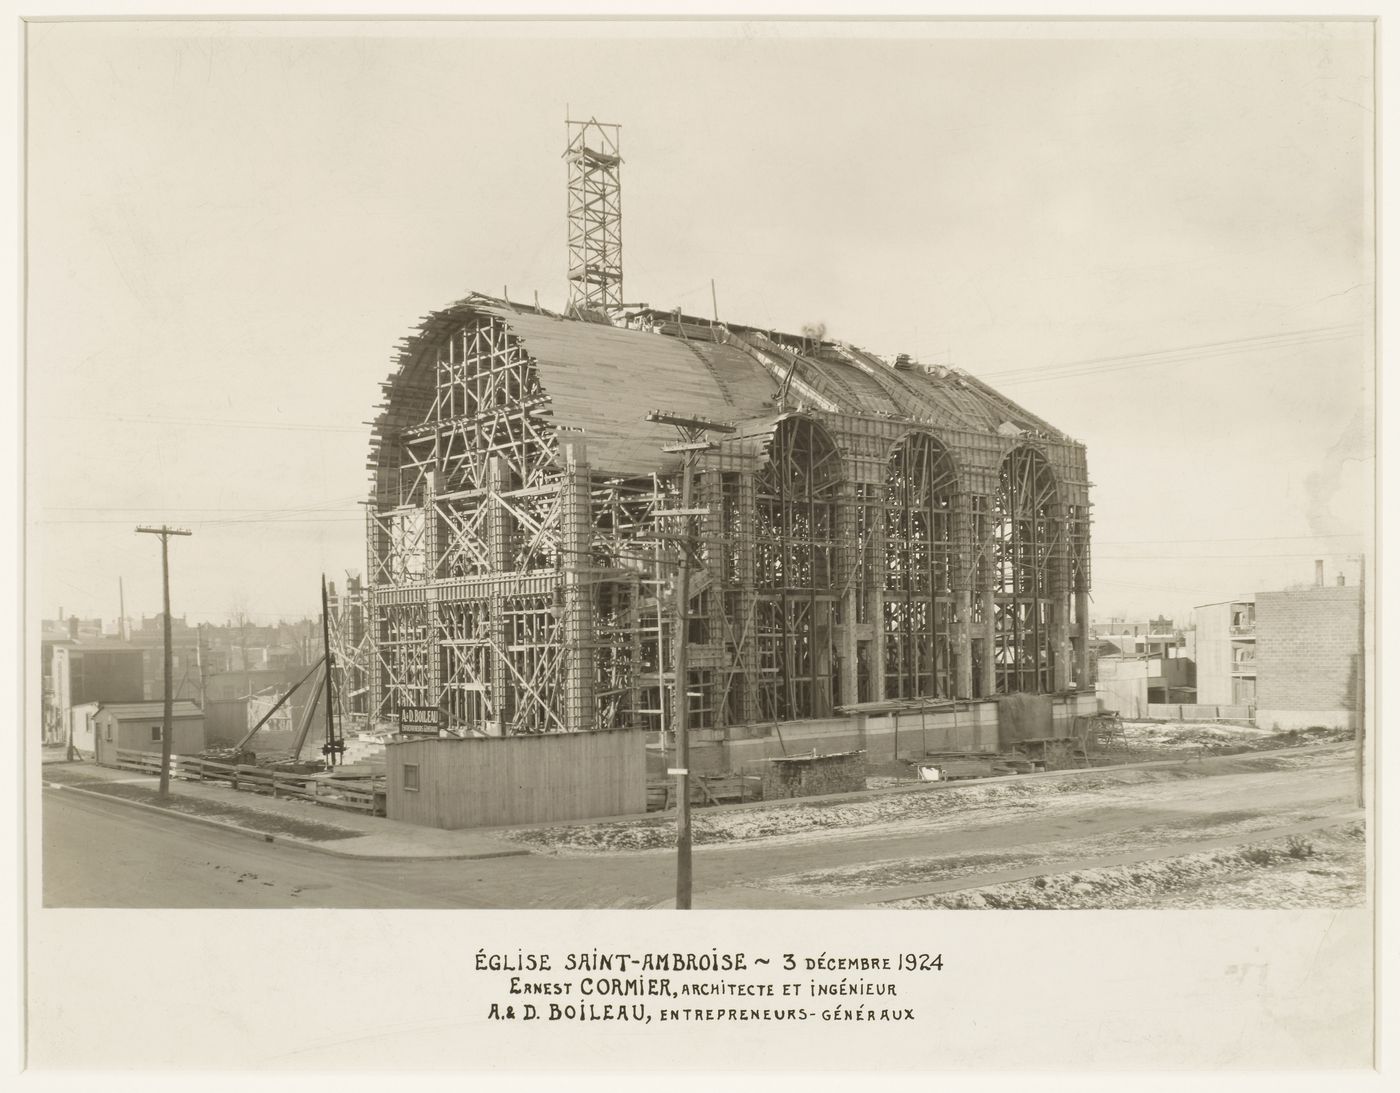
pixel 795 568
pixel 918 570
pixel 1025 544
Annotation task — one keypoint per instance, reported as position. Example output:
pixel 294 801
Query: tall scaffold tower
pixel 595 218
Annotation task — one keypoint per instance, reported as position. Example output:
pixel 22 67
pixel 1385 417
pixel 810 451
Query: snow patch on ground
pixel 1009 800
pixel 1322 869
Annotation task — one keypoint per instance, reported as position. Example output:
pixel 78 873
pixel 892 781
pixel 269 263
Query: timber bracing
pixel 594 155
pixel 351 649
pixel 519 584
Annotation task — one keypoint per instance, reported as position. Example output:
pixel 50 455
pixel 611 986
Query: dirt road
pixel 817 854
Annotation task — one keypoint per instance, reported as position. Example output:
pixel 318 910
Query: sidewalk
pixel 327 830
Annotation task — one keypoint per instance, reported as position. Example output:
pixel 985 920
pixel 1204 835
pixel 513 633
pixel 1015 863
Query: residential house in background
pixel 187 658
pixel 82 729
pixel 100 671
pixel 64 631
pixel 1226 672
pixel 1142 662
pixel 1129 682
pixel 86 662
pixel 225 686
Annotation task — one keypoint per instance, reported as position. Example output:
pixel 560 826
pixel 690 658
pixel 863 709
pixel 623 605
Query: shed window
pixel 109 732
pixel 155 732
pixel 410 776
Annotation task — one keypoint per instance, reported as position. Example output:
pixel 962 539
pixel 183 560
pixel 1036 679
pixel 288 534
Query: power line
pixel 1233 557
pixel 252 521
pixel 1162 357
pixel 309 506
pixel 1245 341
pixel 228 423
pixel 1243 539
pixel 1246 344
pixel 323 509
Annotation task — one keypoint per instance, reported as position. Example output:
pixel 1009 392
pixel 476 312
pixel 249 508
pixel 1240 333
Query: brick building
pixel 1306 650
pixel 1292 655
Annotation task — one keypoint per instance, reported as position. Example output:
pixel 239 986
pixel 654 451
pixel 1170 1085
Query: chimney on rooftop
pixel 1318 564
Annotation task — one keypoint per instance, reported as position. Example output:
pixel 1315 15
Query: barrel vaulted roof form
pixel 601 380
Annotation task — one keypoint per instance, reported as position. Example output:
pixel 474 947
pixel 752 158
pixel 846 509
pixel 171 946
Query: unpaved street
pixel 871 850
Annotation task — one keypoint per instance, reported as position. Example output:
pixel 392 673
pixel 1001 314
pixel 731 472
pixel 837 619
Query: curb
pixel 286 840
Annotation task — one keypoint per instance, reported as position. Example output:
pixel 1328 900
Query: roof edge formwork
pixel 600 381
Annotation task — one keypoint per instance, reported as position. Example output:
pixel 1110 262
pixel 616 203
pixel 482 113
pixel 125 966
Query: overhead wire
pixel 1180 355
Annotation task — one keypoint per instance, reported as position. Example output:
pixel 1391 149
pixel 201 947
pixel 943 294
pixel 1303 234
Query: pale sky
pixel 1156 237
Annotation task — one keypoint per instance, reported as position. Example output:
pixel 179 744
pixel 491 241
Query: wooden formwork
pixel 866 532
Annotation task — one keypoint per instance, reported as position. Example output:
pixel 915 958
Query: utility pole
pixel 167 731
pixel 692 432
pixel 203 675
pixel 333 748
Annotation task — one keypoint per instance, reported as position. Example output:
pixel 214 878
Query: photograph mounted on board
pixel 958 494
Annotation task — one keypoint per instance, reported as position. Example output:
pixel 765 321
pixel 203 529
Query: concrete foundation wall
pixel 793 738
pixel 886 737
pixel 910 735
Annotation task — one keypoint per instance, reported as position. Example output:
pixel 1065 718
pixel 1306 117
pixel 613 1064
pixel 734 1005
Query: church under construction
pixel 859 530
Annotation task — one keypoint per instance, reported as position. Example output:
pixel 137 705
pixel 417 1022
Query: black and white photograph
pixel 615 468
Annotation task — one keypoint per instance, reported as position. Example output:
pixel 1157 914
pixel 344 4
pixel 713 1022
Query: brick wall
pixel 1306 647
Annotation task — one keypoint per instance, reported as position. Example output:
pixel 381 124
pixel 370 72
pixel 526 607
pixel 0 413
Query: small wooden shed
pixel 138 726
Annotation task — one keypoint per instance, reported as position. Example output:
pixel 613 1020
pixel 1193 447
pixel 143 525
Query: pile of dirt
pixel 816 814
pixel 870 877
pixel 715 827
pixel 929 803
pixel 1149 741
pixel 1170 738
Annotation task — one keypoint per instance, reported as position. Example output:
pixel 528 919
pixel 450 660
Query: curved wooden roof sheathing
pixel 601 380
